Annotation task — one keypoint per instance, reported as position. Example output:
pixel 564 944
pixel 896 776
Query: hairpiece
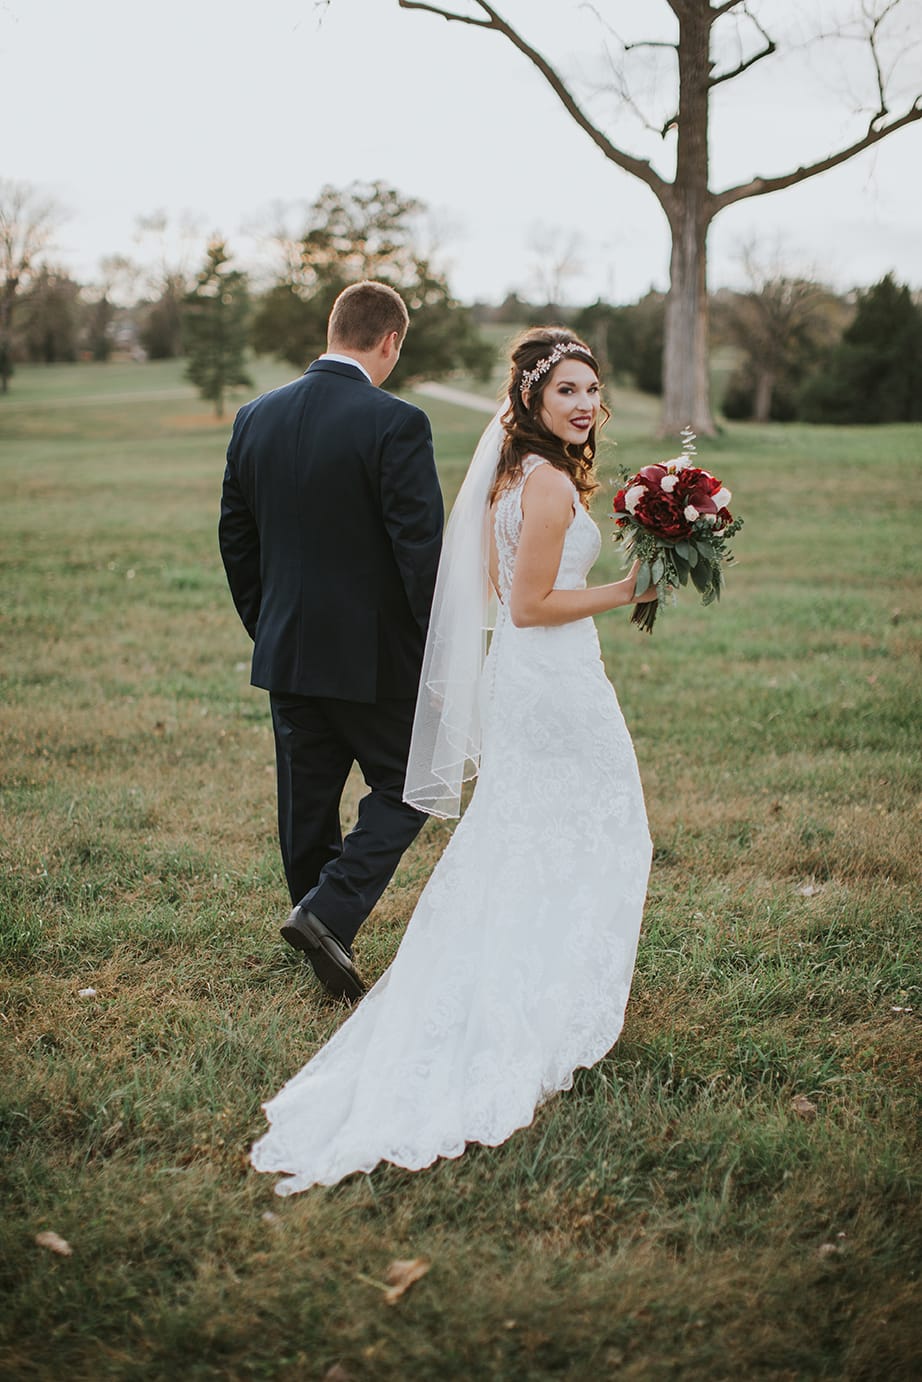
pixel 531 376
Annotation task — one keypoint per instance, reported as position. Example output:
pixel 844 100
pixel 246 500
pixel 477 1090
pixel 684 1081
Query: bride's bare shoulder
pixel 548 487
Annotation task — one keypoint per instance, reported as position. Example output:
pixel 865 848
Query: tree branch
pixel 639 167
pixel 882 109
pixel 759 186
pixel 756 57
pixel 650 43
pixel 436 9
pixel 619 78
pixel 723 9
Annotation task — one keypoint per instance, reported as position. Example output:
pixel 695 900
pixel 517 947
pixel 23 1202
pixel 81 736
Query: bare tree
pixel 716 42
pixel 27 225
pixel 780 324
pixel 556 258
pixel 169 249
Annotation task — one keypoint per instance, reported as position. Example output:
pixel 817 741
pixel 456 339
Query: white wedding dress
pixel 516 965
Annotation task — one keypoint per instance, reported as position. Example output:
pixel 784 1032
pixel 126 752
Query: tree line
pixel 802 351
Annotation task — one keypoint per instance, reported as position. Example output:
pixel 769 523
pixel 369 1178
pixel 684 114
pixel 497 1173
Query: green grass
pixel 672 1216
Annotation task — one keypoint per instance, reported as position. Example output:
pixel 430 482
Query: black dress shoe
pixel 330 959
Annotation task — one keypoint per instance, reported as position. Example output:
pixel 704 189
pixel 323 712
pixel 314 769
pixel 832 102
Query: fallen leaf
pixel 54 1243
pixel 803 1107
pixel 401 1275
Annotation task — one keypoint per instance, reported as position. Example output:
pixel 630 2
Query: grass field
pixel 678 1214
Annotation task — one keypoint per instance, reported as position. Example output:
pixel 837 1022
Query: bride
pixel 516 965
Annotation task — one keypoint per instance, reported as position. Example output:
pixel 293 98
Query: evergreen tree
pixel 875 373
pixel 216 316
pixel 368 230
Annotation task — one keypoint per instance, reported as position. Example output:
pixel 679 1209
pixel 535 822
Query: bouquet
pixel 674 518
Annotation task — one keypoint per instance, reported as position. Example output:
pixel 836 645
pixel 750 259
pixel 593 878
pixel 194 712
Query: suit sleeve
pixel 411 502
pixel 238 538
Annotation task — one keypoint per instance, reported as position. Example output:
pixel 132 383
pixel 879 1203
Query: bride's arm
pixel 547 508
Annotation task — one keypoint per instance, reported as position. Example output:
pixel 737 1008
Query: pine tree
pixel 216 326
pixel 875 373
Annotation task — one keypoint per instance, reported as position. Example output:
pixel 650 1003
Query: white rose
pixel 691 513
pixel 722 498
pixel 633 497
pixel 668 483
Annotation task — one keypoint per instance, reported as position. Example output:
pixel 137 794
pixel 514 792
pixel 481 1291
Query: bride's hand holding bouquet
pixel 674 522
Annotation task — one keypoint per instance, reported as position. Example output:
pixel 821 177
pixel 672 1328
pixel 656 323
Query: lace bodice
pixel 581 544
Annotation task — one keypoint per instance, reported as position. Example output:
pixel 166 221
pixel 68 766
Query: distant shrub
pixel 875 373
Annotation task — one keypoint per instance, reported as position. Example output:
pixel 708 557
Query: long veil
pixel 445 747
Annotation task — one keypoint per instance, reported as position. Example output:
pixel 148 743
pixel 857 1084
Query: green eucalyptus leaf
pixel 643 579
pixel 701 575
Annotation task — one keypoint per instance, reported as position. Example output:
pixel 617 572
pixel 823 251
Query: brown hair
pixel 366 312
pixel 526 434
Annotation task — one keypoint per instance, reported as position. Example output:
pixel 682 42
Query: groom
pixel 330 533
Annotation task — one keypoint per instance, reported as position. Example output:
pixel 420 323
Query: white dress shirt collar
pixel 347 360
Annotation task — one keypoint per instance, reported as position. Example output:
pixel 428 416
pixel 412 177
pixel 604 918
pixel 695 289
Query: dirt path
pixel 447 394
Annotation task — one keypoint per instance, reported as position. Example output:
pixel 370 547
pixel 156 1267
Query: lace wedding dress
pixel 516 964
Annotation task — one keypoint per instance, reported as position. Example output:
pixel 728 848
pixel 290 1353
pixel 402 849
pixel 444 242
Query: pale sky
pixel 217 108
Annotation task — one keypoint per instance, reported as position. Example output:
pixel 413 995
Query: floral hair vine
pixel 531 376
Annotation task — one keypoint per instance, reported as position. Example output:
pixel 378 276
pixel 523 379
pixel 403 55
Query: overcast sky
pixel 217 108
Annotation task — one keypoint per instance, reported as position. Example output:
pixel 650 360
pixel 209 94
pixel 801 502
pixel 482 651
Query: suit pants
pixel 317 739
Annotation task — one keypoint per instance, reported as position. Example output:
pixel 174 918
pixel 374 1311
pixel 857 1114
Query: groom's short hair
pixel 366 312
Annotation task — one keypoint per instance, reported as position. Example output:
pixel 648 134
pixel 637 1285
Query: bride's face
pixel 570 401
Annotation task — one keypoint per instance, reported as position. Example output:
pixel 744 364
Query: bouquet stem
pixel 644 616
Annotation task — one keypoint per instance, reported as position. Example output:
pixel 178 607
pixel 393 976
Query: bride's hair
pixel 534 357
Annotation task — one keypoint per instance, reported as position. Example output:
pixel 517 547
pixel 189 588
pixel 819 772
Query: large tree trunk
pixel 686 381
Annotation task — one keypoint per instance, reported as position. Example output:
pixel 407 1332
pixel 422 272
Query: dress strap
pixel 531 463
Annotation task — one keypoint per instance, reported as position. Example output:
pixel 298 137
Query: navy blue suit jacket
pixel 330 533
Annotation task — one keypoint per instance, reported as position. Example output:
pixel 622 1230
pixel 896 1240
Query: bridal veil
pixel 445 747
